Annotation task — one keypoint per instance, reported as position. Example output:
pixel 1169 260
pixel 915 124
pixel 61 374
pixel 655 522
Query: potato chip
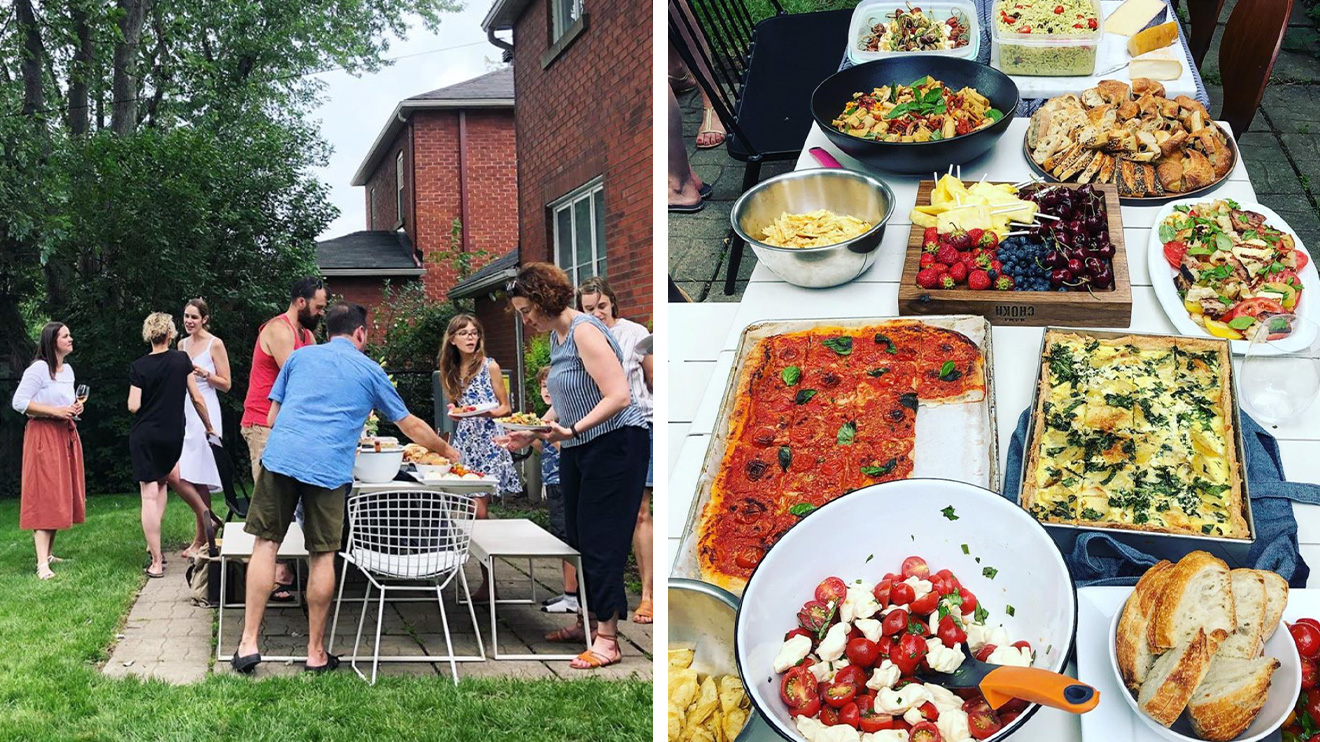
pixel 683 687
pixel 815 229
pixel 675 723
pixel 680 658
pixel 731 693
pixel 707 702
pixel 703 708
pixel 733 722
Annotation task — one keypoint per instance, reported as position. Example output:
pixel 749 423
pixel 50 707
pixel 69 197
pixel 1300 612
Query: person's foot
pixel 683 82
pixel 482 594
pixel 282 593
pixel 686 198
pixel 245 663
pixel 327 663
pixel 603 653
pixel 44 572
pixel 562 604
pixel 711 134
pixel 567 635
pixel 192 551
pixel 283 575
pixel 52 559
pixel 645 612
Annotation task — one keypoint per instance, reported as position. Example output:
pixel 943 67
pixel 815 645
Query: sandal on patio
pixel 286 590
pixel 705 190
pixel 683 83
pixel 593 660
pixel 153 575
pixel 687 208
pixel 567 635
pixel 708 127
pixel 644 613
pixel 332 663
pixel 246 664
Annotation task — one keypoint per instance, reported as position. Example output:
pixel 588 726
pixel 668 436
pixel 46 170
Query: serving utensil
pixel 1002 683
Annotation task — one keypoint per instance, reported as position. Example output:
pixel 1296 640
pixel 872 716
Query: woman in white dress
pixel 211 367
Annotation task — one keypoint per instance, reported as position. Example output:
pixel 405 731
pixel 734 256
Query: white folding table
pixel 236 544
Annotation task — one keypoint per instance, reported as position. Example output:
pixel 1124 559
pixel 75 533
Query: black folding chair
pixel 236 495
pixel 761 76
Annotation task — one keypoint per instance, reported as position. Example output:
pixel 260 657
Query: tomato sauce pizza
pixel 821 413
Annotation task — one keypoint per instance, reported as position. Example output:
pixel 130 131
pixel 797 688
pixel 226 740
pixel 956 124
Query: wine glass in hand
pixel 82 392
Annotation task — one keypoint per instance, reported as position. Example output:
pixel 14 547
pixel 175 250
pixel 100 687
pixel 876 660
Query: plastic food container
pixel 870 12
pixel 1045 54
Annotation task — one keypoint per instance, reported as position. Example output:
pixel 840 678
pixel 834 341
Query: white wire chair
pixel 408 536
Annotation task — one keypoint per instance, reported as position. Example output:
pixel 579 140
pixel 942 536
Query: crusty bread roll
pixel 1174 677
pixel 1198 595
pixel 1276 598
pixel 1230 696
pixel 1134 655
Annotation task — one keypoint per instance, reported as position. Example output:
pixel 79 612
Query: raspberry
pixel 1004 283
pixel 978 280
pixel 928 278
pixel 947 282
pixel 947 255
pixel 927 260
pixel 958 271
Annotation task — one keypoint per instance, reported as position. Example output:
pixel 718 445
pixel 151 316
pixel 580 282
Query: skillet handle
pixel 1038 686
pixel 825 159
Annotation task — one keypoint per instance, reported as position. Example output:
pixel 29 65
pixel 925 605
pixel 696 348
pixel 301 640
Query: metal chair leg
pixel 751 174
pixel 444 624
pixel 380 620
pixel 334 625
pixel 476 628
pixel 362 620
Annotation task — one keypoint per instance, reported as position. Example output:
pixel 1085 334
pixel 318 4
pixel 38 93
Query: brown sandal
pixel 645 613
pixel 593 660
pixel 567 635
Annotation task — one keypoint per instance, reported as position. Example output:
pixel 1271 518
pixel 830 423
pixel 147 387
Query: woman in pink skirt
pixel 54 495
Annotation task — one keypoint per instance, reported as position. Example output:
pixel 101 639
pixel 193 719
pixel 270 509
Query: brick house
pixel 441 186
pixel 582 70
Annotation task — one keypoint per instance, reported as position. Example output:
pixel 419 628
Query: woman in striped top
pixel 604 441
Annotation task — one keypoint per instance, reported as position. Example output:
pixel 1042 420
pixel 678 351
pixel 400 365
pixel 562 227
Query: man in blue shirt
pixel 319 403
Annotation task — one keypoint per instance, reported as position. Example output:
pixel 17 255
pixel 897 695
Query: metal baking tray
pixel 1171 546
pixel 986 467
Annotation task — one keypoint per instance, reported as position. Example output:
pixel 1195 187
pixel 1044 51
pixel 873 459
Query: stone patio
pixel 1281 149
pixel 167 638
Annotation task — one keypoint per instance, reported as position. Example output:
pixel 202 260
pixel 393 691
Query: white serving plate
pixel 449 481
pixel 869 12
pixel 482 409
pixel 530 428
pixel 1115 721
pixel 1161 278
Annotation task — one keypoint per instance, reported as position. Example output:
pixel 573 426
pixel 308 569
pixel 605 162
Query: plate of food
pixel 1152 147
pixel 473 410
pixel 458 477
pixel 883 28
pixel 524 421
pixel 1219 267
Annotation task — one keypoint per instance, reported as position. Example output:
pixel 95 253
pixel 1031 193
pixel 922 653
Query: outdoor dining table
pixel 702 349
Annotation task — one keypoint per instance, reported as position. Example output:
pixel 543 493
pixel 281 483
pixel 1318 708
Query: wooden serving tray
pixel 1110 308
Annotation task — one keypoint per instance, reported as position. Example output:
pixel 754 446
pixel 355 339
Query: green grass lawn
pixel 54 635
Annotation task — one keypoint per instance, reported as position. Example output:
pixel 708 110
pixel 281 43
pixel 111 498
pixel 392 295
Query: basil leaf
pixel 899 110
pixel 1200 250
pixel 876 373
pixel 791 375
pixel 880 471
pixel 980 614
pixel 947 368
pixel 937 135
pixel 916 627
pixel 890 348
pixel 1234 205
pixel 841 345
pixel 847 432
pixel 1241 323
pixel 804 396
pixel 802 509
pixel 989 572
pixel 909 401
pixel 785 457
pixel 1167 233
pixel 947 512
pixel 1010 610
pixel 993 114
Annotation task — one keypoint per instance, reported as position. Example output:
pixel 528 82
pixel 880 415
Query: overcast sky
pixel 356 108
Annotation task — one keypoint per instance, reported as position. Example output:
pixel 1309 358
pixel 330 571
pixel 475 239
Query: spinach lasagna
pixel 1135 432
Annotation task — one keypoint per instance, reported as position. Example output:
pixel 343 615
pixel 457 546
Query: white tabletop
pixel 235 543
pixel 700 354
pixel 515 538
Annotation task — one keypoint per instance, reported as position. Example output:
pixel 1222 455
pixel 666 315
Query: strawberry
pixel 975 235
pixel 927 260
pixel 931 235
pixel 1004 283
pixel 958 271
pixel 989 241
pixel 985 261
pixel 947 282
pixel 947 255
pixel 940 268
pixel 978 280
pixel 959 239
pixel 997 265
pixel 928 278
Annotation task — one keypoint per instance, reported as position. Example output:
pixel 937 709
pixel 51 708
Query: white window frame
pixel 563 14
pixel 398 187
pixel 596 265
pixel 371 207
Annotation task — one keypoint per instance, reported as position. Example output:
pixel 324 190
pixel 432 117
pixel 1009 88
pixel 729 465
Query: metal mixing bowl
pixel 844 192
pixel 701 616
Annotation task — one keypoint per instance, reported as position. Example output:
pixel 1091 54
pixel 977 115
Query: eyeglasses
pixel 467 334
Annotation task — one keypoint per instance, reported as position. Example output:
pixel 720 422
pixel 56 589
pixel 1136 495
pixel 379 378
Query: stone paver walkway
pixel 1281 149
pixel 167 638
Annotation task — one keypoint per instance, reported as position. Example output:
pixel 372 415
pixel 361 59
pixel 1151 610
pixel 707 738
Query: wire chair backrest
pixel 412 534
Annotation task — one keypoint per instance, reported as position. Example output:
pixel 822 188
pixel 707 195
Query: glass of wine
pixel 1281 372
pixel 82 392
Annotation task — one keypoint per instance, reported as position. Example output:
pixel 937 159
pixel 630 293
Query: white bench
pixel 237 545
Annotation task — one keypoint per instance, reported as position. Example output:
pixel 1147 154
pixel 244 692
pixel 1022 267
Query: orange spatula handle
pixel 1038 686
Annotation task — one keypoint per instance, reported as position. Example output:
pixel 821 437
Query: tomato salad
pixel 849 667
pixel 1303 724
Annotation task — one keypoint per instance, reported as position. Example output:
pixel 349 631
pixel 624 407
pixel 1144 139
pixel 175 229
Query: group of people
pixel 304 412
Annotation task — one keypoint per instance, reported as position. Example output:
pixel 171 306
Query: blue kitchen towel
pixel 1098 559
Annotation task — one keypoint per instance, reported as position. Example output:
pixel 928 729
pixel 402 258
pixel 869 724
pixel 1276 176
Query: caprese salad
pixel 847 671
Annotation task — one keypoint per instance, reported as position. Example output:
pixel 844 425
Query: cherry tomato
pixel 925 732
pixel 829 716
pixel 1310 674
pixel 1092 23
pixel 852 675
pixel 811 709
pixel 1301 258
pixel 797 688
pixel 1311 621
pixel 855 633
pixel 894 622
pixel 1174 250
pixel 893 578
pixel 929 712
pixel 881 591
pixel 968 601
pixel 814 616
pixel 984 652
pixel 800 632
pixel 1312 698
pixel 941 586
pixel 945 574
pixel 1007 718
pixel 862 652
pixel 872 720
pixel 839 694
pixel 1013 706
pixel 1253 308
pixel 1058 10
pixel 885 643
pixel 1022 645
pixel 926 603
pixel 981 719
pixel 831 590
pixel 902 594
pixel 918 627
pixel 850 715
pixel 1307 638
pixel 908 653
pixel 915 566
pixel 950 632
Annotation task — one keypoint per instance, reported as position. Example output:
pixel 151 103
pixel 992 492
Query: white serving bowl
pixel 433 470
pixel 870 532
pixel 1284 687
pixel 377 467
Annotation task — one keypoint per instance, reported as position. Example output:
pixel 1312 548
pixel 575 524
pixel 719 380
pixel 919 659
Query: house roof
pixel 368 253
pixel 503 14
pixel 491 276
pixel 491 90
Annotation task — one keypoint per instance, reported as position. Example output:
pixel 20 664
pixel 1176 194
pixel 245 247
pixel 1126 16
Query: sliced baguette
pixel 1174 677
pixel 1276 598
pixel 1249 610
pixel 1134 655
pixel 1229 696
pixel 1197 595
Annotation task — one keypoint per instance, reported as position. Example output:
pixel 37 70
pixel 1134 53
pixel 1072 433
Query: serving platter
pixel 1161 278
pixel 481 409
pixel 451 482
pixel 528 428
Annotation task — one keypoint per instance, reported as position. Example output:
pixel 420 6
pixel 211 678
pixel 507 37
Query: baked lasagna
pixel 820 413
pixel 1135 432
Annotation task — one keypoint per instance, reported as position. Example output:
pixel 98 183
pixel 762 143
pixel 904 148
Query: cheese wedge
pixel 1161 64
pixel 1132 16
pixel 1153 38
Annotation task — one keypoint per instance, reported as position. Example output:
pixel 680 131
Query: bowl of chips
pixel 815 228
pixel 707 701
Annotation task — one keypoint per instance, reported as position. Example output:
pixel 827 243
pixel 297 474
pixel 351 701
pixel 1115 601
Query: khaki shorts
pixel 277 495
pixel 256 437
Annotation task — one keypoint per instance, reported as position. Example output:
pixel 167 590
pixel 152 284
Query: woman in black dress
pixel 160 382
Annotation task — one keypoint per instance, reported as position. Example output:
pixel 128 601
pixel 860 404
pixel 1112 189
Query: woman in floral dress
pixel 470 378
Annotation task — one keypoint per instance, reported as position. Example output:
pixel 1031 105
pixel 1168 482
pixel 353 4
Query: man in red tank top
pixel 277 338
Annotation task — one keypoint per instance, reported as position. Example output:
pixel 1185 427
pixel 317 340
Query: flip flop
pixel 705 190
pixel 288 591
pixel 645 613
pixel 332 663
pixel 153 575
pixel 246 664
pixel 687 209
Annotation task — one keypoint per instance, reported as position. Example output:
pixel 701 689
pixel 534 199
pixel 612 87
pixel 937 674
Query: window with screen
pixel 578 221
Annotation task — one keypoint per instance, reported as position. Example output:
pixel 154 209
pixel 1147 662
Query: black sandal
pixel 288 591
pixel 331 664
pixel 246 664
